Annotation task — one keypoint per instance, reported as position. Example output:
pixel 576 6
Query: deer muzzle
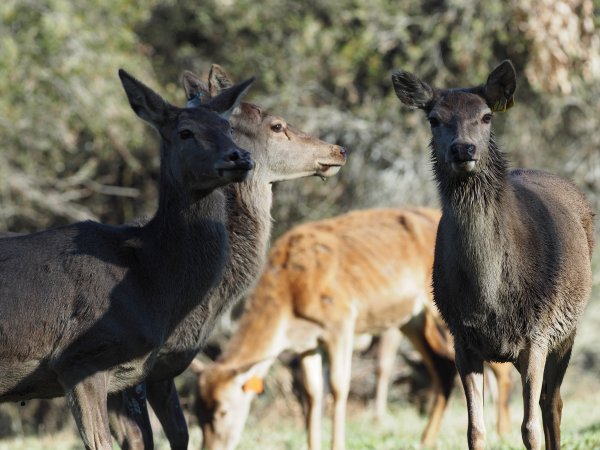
pixel 463 157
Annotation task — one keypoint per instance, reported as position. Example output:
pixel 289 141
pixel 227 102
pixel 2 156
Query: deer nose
pixel 343 151
pixel 462 151
pixel 236 155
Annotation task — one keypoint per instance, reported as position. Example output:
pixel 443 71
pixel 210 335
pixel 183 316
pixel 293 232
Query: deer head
pixel 199 154
pixel 281 151
pixel 460 119
pixel 223 403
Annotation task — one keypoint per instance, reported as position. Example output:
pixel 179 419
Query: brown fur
pixel 365 272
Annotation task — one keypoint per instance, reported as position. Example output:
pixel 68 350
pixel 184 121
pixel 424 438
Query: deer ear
pixel 196 91
pixel 146 103
pixel 500 87
pixel 411 90
pixel 218 80
pixel 229 99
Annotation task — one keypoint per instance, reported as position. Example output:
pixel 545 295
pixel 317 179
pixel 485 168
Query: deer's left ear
pixel 500 87
pixel 196 91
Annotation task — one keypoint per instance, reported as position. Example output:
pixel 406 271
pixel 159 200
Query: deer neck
pixel 261 335
pixel 186 246
pixel 476 210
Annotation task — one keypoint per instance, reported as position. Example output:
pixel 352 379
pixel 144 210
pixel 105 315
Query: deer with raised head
pixel 363 272
pixel 280 152
pixel 512 268
pixel 85 308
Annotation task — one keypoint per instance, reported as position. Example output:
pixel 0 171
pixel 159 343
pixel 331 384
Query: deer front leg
pixel 531 363
pixel 164 400
pixel 339 349
pixel 87 401
pixel 129 420
pixel 470 368
pixel 388 346
pixel 312 379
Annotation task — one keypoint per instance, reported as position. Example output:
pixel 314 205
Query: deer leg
pixel 502 374
pixel 312 379
pixel 386 356
pixel 339 349
pixel 442 371
pixel 87 401
pixel 470 368
pixel 164 400
pixel 531 365
pixel 550 400
pixel 129 420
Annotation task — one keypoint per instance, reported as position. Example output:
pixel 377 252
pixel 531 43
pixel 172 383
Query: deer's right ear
pixel 146 103
pixel 411 90
pixel 196 91
pixel 230 98
pixel 218 80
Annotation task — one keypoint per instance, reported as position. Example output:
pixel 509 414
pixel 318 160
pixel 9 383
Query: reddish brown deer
pixel 85 308
pixel 281 152
pixel 512 261
pixel 366 271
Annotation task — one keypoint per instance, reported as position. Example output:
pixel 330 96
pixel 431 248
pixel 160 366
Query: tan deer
pixel 280 152
pixel 363 272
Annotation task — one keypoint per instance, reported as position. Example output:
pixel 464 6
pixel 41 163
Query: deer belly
pixel 492 341
pixel 132 372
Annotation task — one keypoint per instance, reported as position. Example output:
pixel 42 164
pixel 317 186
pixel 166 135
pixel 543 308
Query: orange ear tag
pixel 254 384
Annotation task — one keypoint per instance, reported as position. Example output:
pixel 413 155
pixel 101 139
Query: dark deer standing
pixel 281 152
pixel 84 308
pixel 512 271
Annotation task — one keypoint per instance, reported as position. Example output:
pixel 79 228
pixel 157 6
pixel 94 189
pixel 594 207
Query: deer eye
pixel 185 134
pixel 277 127
pixel 487 118
pixel 434 121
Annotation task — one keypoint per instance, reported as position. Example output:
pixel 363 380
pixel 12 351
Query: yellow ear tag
pixel 503 105
pixel 254 384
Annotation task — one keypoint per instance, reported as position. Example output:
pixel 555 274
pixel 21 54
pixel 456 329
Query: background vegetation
pixel 72 149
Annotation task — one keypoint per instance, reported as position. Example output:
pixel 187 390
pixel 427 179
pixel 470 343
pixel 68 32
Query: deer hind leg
pixel 441 368
pixel 502 374
pixel 550 399
pixel 531 364
pixel 312 379
pixel 388 346
pixel 87 401
pixel 470 368
pixel 129 420
pixel 164 400
pixel 339 349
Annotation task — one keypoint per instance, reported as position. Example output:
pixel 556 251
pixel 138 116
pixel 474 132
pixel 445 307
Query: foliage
pixel 66 127
pixel 326 66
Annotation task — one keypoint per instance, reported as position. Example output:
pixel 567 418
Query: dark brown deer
pixel 85 308
pixel 281 152
pixel 512 271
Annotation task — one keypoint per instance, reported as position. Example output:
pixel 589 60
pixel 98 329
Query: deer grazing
pixel 280 152
pixel 85 308
pixel 363 272
pixel 512 268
